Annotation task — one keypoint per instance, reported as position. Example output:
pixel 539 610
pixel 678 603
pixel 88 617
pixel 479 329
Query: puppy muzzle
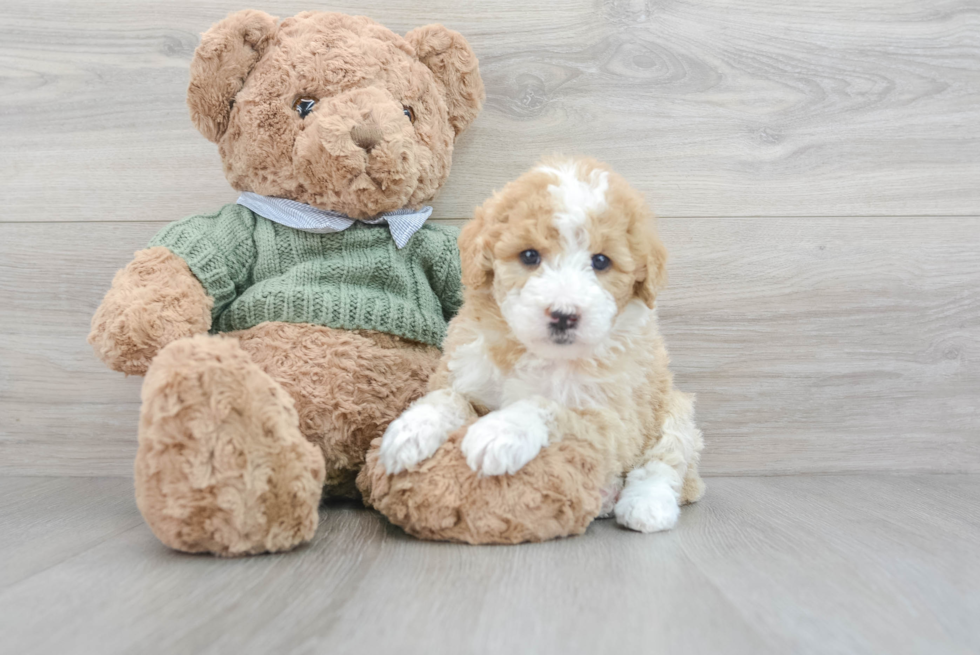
pixel 561 326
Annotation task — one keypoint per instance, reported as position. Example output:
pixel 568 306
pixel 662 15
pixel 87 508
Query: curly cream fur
pixel 614 399
pixel 153 301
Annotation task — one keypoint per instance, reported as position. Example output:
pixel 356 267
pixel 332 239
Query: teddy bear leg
pixel 557 494
pixel 222 466
pixel 348 386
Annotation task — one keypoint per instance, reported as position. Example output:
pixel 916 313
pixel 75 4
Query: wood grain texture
pixel 714 108
pixel 48 520
pixel 859 564
pixel 818 345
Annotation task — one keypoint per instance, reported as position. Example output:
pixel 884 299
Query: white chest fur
pixel 476 377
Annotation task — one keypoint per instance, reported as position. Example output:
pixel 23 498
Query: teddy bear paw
pixel 502 442
pixel 222 466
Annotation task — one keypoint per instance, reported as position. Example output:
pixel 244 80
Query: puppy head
pixel 564 251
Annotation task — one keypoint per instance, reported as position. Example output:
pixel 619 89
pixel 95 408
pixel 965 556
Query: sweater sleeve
pixel 448 282
pixel 219 249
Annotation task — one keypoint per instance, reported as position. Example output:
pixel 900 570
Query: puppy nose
pixel 562 321
pixel 366 136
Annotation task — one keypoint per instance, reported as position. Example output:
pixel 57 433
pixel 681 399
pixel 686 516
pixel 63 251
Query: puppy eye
pixel 304 106
pixel 601 262
pixel 530 258
pixel 408 111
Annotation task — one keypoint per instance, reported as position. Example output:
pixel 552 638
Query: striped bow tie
pixel 402 223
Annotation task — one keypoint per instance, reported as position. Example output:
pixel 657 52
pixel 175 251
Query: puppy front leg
pixel 505 440
pixel 650 501
pixel 415 435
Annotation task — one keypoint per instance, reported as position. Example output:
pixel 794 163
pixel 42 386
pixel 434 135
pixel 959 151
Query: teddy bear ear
pixel 450 58
pixel 222 61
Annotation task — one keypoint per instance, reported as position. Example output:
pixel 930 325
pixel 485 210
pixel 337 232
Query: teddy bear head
pixel 332 110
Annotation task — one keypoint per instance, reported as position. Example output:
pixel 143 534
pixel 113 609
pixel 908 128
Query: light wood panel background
pixel 816 167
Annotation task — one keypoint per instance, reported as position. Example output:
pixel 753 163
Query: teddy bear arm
pixel 153 301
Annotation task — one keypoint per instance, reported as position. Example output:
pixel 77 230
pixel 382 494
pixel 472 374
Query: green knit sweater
pixel 258 271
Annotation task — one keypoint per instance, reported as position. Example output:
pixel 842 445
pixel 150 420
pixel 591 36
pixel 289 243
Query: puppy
pixel 558 339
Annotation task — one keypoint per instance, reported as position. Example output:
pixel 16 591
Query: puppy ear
pixel 651 274
pixel 475 253
pixel 222 61
pixel 450 58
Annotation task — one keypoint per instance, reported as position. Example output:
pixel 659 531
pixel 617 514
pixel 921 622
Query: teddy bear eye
pixel 600 262
pixel 408 111
pixel 304 106
pixel 530 257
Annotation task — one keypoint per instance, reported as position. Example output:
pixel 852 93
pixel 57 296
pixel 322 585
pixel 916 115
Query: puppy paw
pixel 649 507
pixel 417 434
pixel 504 441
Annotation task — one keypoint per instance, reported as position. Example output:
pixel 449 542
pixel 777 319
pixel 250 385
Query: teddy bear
pixel 279 335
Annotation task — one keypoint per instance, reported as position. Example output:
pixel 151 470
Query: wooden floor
pixel 803 564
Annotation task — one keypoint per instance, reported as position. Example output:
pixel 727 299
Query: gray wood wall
pixel 816 167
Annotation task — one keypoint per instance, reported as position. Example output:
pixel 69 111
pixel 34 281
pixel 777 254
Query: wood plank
pixel 814 346
pixel 828 345
pixel 858 564
pixel 48 520
pixel 714 108
pixel 843 564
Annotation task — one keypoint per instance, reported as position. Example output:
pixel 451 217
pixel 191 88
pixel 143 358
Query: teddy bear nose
pixel 366 136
